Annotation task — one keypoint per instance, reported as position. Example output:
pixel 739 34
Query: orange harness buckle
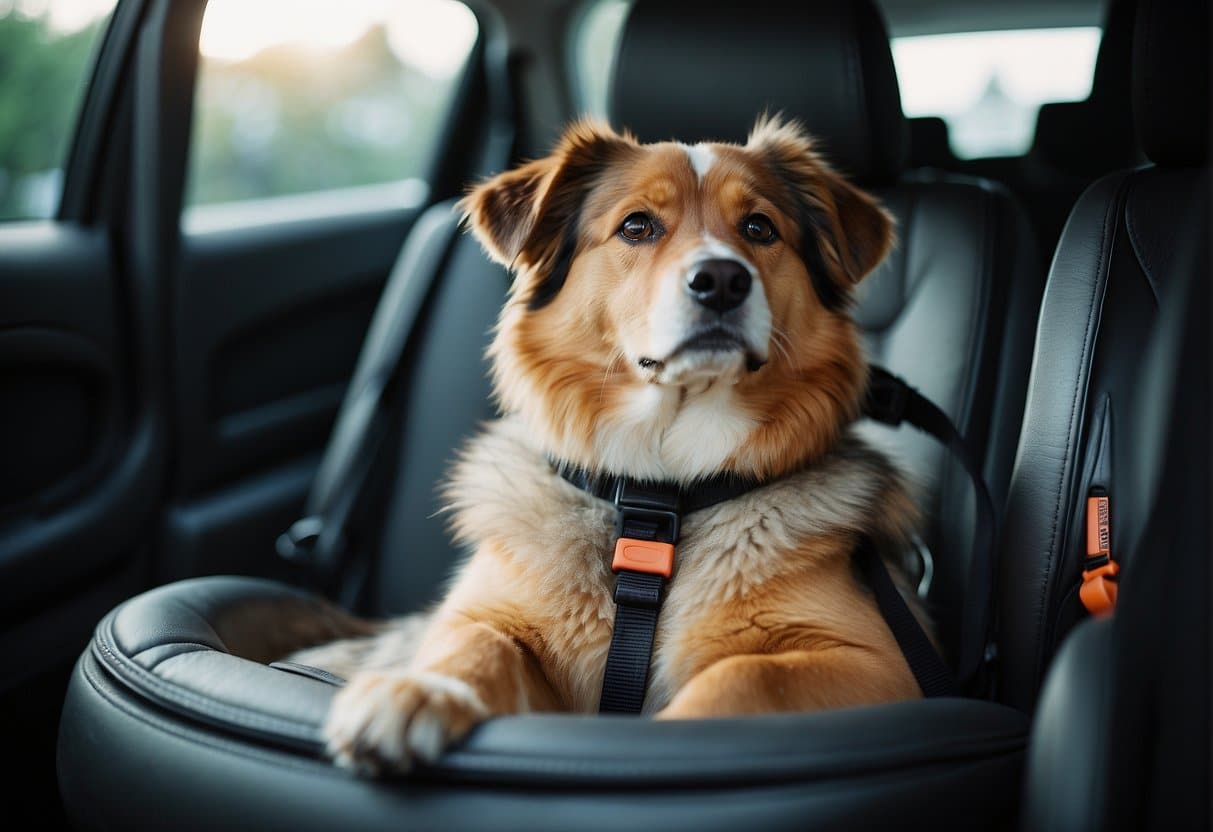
pixel 1099 574
pixel 649 556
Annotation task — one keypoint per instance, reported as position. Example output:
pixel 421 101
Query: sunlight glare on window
pixel 317 95
pixel 432 35
pixel 988 86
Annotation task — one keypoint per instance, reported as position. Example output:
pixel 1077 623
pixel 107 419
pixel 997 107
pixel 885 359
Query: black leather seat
pixel 176 681
pixel 1118 259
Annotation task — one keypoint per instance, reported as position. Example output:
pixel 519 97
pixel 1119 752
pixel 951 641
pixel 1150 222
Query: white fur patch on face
pixel 701 157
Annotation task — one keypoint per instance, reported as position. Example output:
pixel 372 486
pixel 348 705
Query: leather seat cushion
pixel 176 680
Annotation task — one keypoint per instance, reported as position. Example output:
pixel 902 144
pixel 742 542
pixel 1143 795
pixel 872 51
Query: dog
pixel 676 312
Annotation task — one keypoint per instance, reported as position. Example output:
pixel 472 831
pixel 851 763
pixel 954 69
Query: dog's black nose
pixel 719 284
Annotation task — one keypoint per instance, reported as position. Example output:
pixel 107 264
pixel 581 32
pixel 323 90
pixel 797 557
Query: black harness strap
pixel 652 512
pixel 649 513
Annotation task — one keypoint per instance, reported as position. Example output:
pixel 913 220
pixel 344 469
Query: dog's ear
pixel 501 211
pixel 845 232
pixel 530 216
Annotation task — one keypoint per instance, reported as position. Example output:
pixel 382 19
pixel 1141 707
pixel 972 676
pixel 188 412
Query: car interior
pixel 222 397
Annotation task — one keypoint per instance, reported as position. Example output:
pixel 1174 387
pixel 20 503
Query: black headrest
pixel 1171 80
pixel 1092 137
pixel 695 71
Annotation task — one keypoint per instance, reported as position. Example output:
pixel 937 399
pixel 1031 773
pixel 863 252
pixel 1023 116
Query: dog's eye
pixel 758 228
pixel 637 226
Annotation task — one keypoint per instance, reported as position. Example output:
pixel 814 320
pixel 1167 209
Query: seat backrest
pixel 1115 266
pixel 952 309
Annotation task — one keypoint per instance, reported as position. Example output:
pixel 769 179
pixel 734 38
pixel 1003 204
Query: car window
pixel 46 54
pixel 316 95
pixel 988 86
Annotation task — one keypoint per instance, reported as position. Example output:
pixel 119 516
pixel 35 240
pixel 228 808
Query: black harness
pixel 647 525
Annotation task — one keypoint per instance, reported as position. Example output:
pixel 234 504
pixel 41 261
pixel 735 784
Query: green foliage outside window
pixel 43 76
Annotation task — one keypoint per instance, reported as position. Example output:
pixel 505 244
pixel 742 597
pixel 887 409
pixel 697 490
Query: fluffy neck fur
pixel 762 424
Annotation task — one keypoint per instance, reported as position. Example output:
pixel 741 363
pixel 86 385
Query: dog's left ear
pixel 845 232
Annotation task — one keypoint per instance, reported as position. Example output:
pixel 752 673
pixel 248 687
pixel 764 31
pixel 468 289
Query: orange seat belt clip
pixel 1099 574
pixel 649 556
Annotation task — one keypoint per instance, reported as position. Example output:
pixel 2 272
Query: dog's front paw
pixel 389 721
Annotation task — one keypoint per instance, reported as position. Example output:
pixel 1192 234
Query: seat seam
pixel 162 724
pixel 1139 252
pixel 180 696
pixel 1101 279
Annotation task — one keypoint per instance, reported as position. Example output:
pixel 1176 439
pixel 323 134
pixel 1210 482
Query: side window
pixel 316 95
pixel 46 54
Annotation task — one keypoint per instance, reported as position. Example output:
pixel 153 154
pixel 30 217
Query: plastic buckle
pixel 644 515
pixel 298 543
pixel 1099 588
pixel 649 556
pixel 1099 574
pixel 887 397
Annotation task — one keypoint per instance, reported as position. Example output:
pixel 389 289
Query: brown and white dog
pixel 678 311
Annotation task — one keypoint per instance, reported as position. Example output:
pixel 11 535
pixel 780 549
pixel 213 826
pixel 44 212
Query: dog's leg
pixel 799 680
pixel 465 672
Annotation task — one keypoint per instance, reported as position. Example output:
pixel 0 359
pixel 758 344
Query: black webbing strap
pixel 892 401
pixel 637 602
pixel 933 676
pixel 648 513
pixel 318 540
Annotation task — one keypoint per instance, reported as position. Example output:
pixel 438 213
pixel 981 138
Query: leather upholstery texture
pixel 1115 267
pixel 1121 737
pixel 176 684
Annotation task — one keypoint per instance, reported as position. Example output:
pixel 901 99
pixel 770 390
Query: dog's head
pixel 680 310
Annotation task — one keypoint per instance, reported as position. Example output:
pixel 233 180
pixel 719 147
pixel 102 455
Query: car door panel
pixel 79 471
pixel 270 318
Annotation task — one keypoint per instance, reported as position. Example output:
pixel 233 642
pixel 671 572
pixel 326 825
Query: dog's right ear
pixel 502 211
pixel 525 216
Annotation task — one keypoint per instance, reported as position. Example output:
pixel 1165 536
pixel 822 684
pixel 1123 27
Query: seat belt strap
pixel 932 674
pixel 891 400
pixel 318 539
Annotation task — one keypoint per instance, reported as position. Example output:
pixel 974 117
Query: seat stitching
pixel 291 761
pixel 1139 251
pixel 214 707
pixel 1088 342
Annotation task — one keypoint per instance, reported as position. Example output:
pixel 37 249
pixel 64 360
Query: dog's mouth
pixel 711 340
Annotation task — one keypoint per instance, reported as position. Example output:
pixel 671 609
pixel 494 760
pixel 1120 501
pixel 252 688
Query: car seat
pixel 174 716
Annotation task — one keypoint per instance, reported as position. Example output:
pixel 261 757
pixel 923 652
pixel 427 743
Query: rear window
pixel 989 86
pixel 316 95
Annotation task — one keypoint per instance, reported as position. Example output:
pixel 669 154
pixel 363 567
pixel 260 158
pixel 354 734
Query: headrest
pixel 696 71
pixel 1092 137
pixel 1171 81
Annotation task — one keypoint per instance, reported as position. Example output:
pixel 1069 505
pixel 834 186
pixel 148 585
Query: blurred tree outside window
pixel 46 56
pixel 316 95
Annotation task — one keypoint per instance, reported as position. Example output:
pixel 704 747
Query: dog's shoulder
pixel 503 489
pixel 851 491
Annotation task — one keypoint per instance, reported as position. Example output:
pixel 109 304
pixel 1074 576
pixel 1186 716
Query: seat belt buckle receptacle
pixel 1099 574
